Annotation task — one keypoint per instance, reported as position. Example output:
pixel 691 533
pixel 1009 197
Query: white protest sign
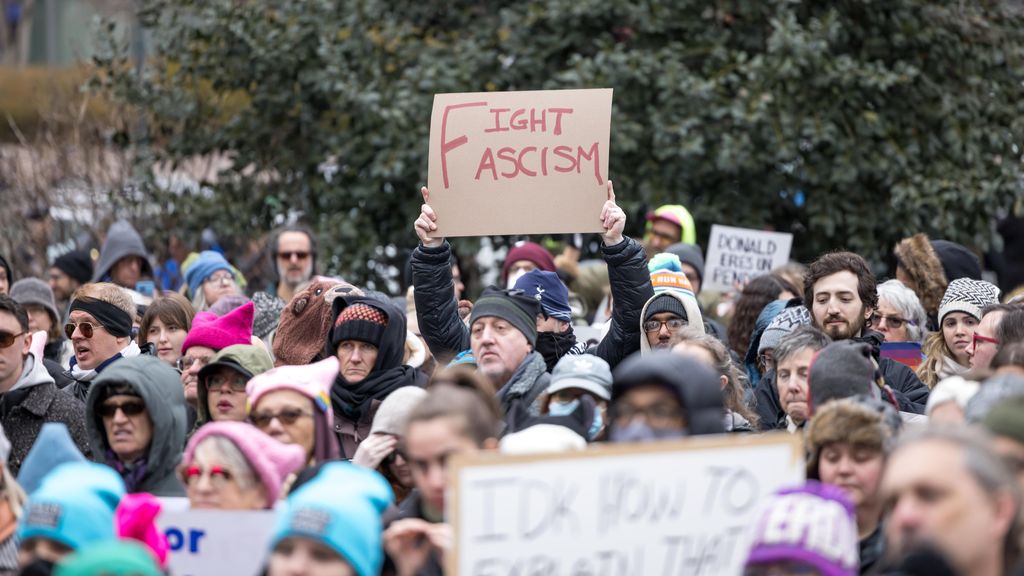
pixel 214 542
pixel 739 254
pixel 668 508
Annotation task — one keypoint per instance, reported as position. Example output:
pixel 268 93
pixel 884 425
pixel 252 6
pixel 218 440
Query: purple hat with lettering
pixel 814 524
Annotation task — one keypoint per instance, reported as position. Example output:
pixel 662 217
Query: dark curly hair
pixel 755 296
pixel 833 262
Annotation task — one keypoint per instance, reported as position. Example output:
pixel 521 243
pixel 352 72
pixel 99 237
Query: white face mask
pixel 514 277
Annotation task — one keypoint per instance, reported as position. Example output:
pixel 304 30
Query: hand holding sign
pixel 612 218
pixel 426 223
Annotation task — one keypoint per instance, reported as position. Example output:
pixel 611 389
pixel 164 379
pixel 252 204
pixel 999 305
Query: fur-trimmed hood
pixel 919 260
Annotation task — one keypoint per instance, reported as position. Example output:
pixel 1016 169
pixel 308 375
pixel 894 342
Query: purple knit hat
pixel 271 460
pixel 814 524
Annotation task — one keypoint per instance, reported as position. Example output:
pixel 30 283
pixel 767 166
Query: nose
pixel 357 355
pixel 119 416
pixel 663 330
pixel 904 515
pixel 832 305
pixel 77 334
pixel 436 476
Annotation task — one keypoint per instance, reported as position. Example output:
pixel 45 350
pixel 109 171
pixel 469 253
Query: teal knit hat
pixel 74 506
pixel 347 520
pixel 113 558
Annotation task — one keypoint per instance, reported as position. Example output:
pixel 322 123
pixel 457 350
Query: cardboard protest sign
pixel 739 254
pixel 669 508
pixel 505 163
pixel 215 542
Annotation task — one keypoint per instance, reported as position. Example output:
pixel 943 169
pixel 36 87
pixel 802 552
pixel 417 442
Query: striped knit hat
pixel 360 322
pixel 783 325
pixel 967 296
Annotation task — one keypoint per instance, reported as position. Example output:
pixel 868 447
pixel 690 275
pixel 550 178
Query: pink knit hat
pixel 311 380
pixel 135 518
pixel 219 332
pixel 272 461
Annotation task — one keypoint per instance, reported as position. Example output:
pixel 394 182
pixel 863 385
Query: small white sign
pixel 739 254
pixel 214 542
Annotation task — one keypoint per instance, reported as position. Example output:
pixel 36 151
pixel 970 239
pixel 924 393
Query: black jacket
pixel 910 392
pixel 410 508
pixel 446 334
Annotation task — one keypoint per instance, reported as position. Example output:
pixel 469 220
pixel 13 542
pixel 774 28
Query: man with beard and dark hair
pixel 293 251
pixel 841 293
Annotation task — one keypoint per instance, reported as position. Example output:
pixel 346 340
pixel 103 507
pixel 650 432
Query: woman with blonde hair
pixel 959 314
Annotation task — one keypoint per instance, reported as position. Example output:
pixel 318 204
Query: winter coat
pixel 160 389
pixel 81 381
pixel 910 392
pixel 525 387
pixel 33 401
pixel 122 240
pixel 355 404
pixel 446 334
pixel 767 404
pixel 872 549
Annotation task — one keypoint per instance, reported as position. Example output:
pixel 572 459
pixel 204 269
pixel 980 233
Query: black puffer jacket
pixel 446 335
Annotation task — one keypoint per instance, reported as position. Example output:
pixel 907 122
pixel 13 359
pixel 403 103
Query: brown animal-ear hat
pixel 916 256
pixel 305 325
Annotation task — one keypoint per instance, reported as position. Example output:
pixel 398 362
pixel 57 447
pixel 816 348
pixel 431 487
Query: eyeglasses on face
pixel 237 382
pixel 129 408
pixel 656 415
pixel 673 324
pixel 86 328
pixel 979 338
pixel 298 255
pixel 186 362
pixel 7 339
pixel 894 322
pixel 287 417
pixel 218 475
pixel 225 278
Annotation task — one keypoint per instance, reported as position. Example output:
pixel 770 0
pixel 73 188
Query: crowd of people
pixel 339 407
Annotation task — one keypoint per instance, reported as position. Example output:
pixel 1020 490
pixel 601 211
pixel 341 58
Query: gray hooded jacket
pixel 122 240
pixel 160 388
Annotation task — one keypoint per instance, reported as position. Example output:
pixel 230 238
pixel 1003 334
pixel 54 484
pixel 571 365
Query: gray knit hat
pixel 783 325
pixel 268 313
pixel 665 303
pixel 967 296
pixel 35 291
pixel 394 411
pixel 841 370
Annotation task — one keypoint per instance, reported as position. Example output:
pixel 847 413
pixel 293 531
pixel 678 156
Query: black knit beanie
pixel 512 306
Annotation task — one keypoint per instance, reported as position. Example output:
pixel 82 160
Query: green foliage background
pixel 884 117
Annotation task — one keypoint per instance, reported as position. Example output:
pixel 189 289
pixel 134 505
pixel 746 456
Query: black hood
pixel 693 383
pixel 391 351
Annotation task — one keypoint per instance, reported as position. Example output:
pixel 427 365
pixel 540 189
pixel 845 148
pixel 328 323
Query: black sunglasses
pixel 130 408
pixel 7 339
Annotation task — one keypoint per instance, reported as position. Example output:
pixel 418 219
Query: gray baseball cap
pixel 586 372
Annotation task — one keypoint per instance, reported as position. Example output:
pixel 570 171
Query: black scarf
pixel 351 401
pixel 553 345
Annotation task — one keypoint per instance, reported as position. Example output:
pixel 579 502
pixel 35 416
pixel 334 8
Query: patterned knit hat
pixel 360 322
pixel 783 325
pixel 967 296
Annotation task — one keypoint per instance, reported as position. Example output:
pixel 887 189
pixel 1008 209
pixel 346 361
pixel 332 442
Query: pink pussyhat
pixel 271 460
pixel 311 380
pixel 135 518
pixel 218 332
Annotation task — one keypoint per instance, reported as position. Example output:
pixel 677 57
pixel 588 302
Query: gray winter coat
pixel 122 240
pixel 160 388
pixel 33 401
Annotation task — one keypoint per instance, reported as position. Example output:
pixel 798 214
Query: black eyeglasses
pixel 288 416
pixel 7 339
pixel 129 408
pixel 86 328
pixel 673 324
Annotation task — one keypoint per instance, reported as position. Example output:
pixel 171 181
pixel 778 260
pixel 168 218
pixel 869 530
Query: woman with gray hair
pixel 900 316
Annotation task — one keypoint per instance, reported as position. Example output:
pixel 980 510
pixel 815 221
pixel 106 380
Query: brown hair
pixel 732 394
pixel 834 262
pixel 757 294
pixel 473 415
pixel 469 379
pixel 918 259
pixel 172 309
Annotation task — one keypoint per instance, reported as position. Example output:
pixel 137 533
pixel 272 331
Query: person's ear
pixel 1005 511
pixel 724 381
